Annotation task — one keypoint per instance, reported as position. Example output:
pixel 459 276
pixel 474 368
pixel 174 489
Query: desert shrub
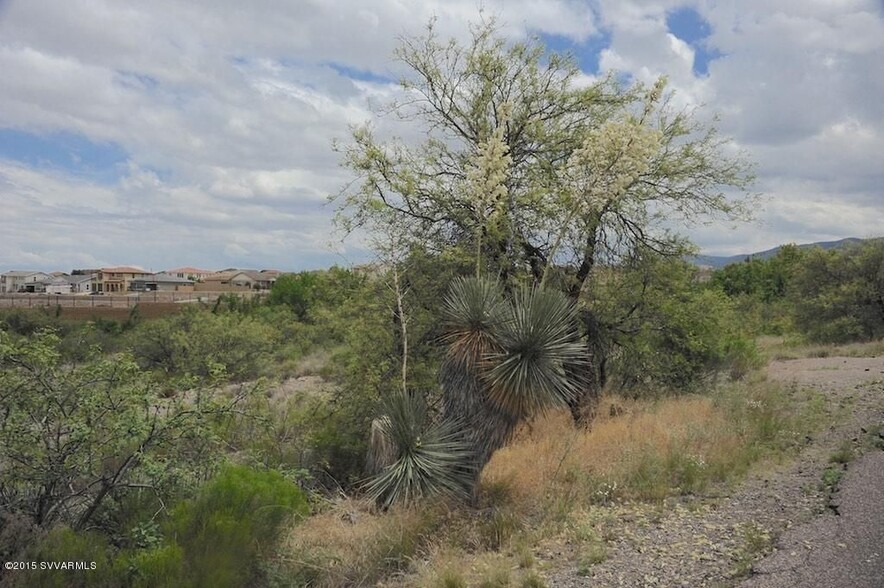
pixel 685 334
pixel 217 538
pixel 200 343
pixel 76 438
pixel 837 294
pixel 29 321
pixel 223 532
pixel 62 544
pixel 297 291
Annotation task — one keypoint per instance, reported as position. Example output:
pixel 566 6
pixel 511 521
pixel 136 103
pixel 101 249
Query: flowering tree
pixel 539 176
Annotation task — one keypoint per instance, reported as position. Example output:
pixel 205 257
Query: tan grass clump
pixel 645 451
pixel 352 544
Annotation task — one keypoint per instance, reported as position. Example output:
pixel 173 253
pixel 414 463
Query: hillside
pixel 716 261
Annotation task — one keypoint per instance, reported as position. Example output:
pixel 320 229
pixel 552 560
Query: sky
pixel 200 132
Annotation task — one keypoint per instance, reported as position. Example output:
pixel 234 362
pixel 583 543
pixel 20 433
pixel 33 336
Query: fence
pixel 128 301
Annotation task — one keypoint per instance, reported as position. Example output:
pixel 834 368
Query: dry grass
pixel 646 453
pixel 783 348
pixel 535 489
pixel 351 544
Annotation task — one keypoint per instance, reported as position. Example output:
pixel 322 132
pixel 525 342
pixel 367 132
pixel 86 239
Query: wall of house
pixel 219 287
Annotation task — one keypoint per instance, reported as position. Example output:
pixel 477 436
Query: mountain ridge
pixel 719 261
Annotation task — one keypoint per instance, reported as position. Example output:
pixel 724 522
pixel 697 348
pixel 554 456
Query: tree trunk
pixel 592 375
pixel 486 426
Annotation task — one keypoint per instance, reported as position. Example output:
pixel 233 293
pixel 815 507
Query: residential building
pixel 263 279
pixel 58 285
pixel 22 281
pixel 191 273
pixel 115 280
pixel 81 284
pixel 161 282
pixel 228 281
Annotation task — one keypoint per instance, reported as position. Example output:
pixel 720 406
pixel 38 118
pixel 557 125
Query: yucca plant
pixel 428 458
pixel 507 361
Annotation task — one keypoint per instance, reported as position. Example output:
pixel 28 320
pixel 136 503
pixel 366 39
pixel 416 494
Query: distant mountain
pixel 721 261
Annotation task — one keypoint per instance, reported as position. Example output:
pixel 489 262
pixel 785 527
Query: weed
pixel 524 555
pixel 756 542
pixel 844 454
pixel 497 528
pixel 450 578
pixel 533 580
pixel 496 575
pixel 832 477
pixel 592 554
pixel 874 438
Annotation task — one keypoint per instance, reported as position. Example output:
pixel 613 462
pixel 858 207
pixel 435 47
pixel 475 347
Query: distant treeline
pixel 828 296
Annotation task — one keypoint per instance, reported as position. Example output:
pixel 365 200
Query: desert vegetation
pixel 530 351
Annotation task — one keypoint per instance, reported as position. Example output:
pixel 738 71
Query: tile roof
pixel 125 269
pixel 188 270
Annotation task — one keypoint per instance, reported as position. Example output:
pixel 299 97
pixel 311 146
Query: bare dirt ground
pixel 781 511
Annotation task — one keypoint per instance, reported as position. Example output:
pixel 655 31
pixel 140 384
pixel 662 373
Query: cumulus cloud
pixel 225 113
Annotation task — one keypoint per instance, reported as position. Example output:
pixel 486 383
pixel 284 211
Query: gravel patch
pixel 715 541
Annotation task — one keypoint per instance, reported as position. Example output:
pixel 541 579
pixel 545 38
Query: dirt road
pixel 716 541
pixel 843 547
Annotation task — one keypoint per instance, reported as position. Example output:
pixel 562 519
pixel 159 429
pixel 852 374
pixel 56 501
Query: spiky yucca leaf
pixel 536 340
pixel 431 458
pixel 471 309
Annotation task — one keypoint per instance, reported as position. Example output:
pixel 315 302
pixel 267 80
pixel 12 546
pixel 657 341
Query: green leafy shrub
pixel 837 294
pixel 233 520
pixel 200 343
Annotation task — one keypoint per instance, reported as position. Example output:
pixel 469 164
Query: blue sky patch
pixel 687 24
pixel 361 75
pixel 587 53
pixel 69 152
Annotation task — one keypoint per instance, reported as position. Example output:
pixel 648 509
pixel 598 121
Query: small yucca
pixel 507 361
pixel 430 458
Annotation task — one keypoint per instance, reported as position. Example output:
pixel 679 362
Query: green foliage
pixel 665 331
pixel 226 528
pixel 203 344
pixel 839 294
pixel 27 321
pixel 62 544
pixel 765 280
pixel 431 458
pixel 75 438
pixel 215 539
pixel 160 566
pixel 535 177
pixel 297 291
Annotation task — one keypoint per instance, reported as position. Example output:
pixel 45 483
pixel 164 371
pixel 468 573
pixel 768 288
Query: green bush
pixel 837 294
pixel 215 539
pixel 29 321
pixel 62 544
pixel 200 343
pixel 677 332
pixel 226 528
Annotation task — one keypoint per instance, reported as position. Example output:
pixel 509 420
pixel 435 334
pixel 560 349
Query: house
pixel 228 281
pixel 22 281
pixel 58 285
pixel 115 280
pixel 81 284
pixel 161 282
pixel 263 279
pixel 191 273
